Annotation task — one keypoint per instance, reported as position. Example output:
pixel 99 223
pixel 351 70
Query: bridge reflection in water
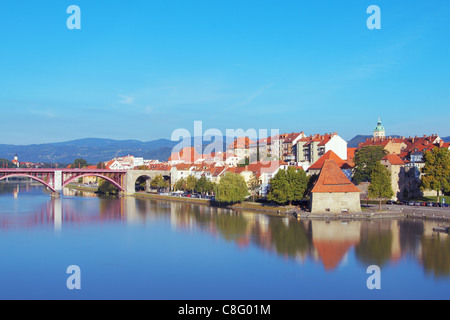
pixel 330 243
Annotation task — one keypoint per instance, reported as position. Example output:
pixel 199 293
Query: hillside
pixel 356 140
pixel 92 149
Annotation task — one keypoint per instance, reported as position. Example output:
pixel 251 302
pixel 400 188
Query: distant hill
pixel 92 149
pixel 356 140
pixel 95 150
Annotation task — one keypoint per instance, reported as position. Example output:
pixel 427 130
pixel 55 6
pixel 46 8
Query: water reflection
pixel 379 242
pixel 374 242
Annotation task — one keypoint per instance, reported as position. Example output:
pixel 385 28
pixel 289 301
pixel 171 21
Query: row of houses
pixel 128 162
pixel 263 170
pixel 405 160
pixel 325 155
pixel 296 149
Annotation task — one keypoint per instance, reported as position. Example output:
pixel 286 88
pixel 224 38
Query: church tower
pixel 379 132
pixel 16 160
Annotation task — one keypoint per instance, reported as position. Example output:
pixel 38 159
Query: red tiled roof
pixel 411 144
pixel 403 154
pixel 218 171
pixel 109 163
pixel 186 154
pixel 375 142
pixel 183 166
pixel 241 143
pixel 159 166
pixel 330 155
pixel 291 137
pixel 351 153
pixel 325 140
pixel 264 166
pixel 394 159
pixel 332 179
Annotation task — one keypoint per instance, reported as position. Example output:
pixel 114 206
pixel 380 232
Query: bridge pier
pixel 57 184
pixel 55 195
pixel 57 181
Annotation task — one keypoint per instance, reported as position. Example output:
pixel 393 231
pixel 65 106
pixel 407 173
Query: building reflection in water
pixel 333 240
pixel 330 242
pixel 371 242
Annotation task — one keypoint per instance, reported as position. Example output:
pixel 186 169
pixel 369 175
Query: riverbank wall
pixel 368 212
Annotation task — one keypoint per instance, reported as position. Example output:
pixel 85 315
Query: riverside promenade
pixel 387 212
pixel 368 211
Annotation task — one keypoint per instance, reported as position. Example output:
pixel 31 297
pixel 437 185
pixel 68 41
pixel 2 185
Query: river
pixel 130 248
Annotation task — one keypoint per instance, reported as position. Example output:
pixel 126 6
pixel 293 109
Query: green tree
pixel 203 186
pixel 298 183
pixel 278 188
pixel 4 163
pixel 253 185
pixel 231 188
pixel 436 172
pixel 287 186
pixel 191 181
pixel 158 182
pixel 79 163
pixel 101 165
pixel 366 158
pixel 180 185
pixel 380 183
pixel 212 187
pixel 106 187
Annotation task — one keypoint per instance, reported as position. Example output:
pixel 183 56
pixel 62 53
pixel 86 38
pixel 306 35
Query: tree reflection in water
pixel 372 242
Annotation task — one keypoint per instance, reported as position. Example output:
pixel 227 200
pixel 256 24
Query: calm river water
pixel 132 248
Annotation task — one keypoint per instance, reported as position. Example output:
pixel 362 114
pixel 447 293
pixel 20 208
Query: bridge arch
pixel 29 176
pixel 143 178
pixel 117 185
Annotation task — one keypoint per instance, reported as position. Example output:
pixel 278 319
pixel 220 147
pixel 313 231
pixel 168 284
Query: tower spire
pixel 379 131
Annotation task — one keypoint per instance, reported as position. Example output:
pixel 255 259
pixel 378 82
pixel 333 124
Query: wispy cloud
pixel 255 95
pixel 125 99
pixel 42 113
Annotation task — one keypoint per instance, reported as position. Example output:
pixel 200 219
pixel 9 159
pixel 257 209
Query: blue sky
pixel 141 69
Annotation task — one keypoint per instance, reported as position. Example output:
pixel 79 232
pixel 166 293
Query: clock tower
pixel 379 132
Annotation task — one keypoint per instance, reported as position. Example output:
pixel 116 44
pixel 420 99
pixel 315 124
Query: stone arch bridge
pixel 57 179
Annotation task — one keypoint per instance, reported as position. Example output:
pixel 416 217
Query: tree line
pixel 368 168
